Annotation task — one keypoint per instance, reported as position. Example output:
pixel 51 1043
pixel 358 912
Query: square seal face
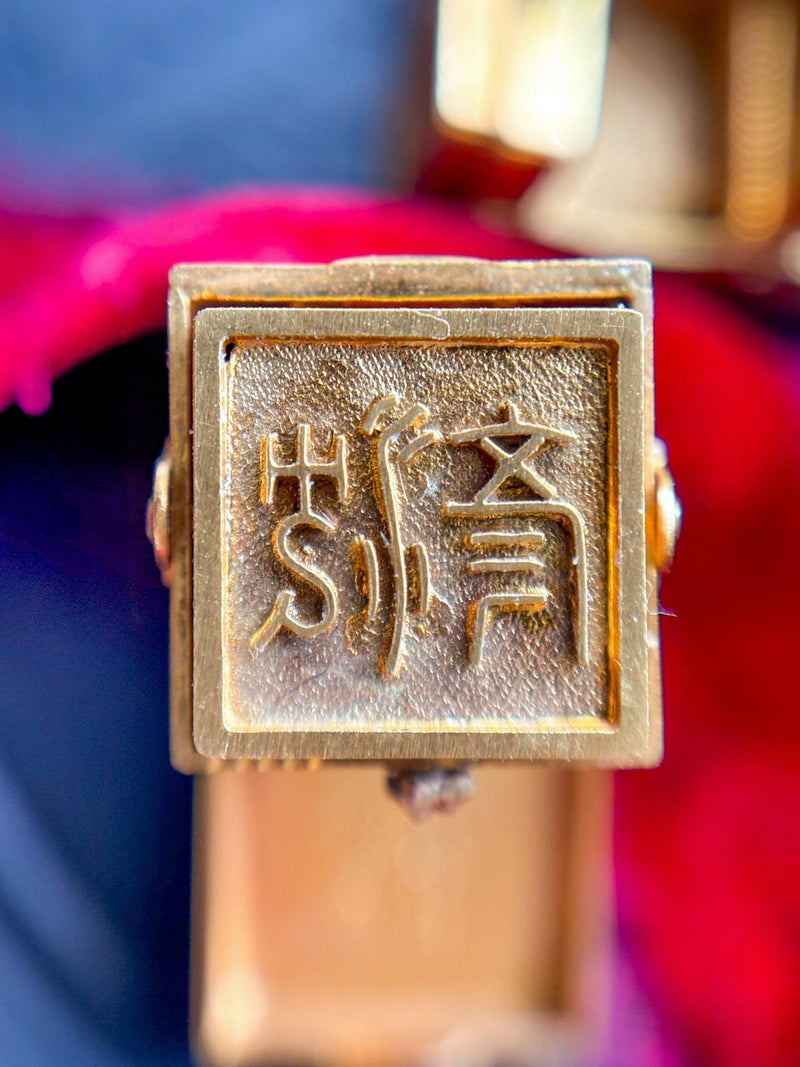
pixel 420 534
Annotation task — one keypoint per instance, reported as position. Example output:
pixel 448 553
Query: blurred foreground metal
pixel 330 928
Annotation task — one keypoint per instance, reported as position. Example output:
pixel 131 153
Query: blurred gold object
pixel 410 513
pixel 329 928
pixel 525 75
pixel 762 117
pixel 695 163
pixel 158 514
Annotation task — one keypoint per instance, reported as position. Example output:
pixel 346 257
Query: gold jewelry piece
pixel 412 510
pixel 415 512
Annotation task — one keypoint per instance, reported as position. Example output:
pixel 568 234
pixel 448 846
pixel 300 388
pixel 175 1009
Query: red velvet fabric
pixel 708 846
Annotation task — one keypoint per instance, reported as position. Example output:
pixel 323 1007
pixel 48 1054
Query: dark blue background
pixel 94 824
pixel 103 100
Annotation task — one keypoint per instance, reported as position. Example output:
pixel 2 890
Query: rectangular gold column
pixel 330 928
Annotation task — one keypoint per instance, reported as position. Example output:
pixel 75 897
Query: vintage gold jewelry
pixel 414 510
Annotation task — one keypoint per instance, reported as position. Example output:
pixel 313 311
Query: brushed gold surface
pixel 608 719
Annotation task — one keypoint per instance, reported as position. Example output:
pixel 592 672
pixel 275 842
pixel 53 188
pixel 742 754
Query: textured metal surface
pixel 335 680
pixel 287 661
pixel 426 283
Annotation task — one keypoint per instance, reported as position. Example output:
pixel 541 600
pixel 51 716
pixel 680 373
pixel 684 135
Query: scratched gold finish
pixel 414 513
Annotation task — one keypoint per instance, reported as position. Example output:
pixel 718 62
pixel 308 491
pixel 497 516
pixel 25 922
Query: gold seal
pixel 414 513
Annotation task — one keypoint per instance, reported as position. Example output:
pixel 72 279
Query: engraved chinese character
pixel 298 559
pixel 398 437
pixel 514 445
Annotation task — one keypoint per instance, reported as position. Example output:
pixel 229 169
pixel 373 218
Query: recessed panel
pixel 409 536
pixel 413 533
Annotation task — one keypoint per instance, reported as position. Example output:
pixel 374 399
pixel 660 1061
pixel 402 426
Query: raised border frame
pixel 625 736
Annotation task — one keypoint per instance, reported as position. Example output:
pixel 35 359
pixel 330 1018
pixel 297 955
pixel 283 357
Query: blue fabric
pixel 107 101
pixel 94 824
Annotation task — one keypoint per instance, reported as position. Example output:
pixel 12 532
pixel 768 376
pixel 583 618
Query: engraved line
pixel 479 617
pixel 407 453
pixel 280 617
pixel 504 565
pixel 303 461
pixel 378 408
pixel 370 556
pixel 490 509
pixel 420 553
pixel 512 427
pixel 495 450
pixel 275 620
pixel 302 467
pixel 340 461
pixel 391 510
pixel 511 465
pixel 265 487
pixel 504 537
pixel 303 443
pixel 388 492
pixel 397 549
